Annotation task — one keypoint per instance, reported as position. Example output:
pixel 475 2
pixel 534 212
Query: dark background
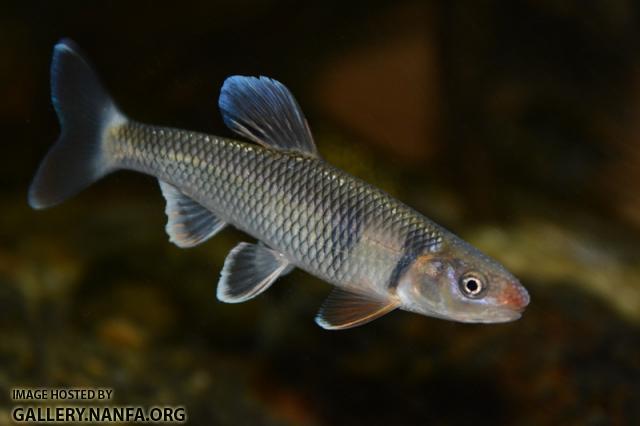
pixel 513 123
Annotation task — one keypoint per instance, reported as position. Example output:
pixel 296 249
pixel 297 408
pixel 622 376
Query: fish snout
pixel 516 297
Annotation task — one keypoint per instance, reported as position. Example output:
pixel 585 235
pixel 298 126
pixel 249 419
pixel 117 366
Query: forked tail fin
pixel 85 112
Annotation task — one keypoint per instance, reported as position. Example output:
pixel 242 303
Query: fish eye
pixel 472 285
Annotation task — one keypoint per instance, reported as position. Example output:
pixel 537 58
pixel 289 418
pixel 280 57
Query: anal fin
pixel 189 223
pixel 248 270
pixel 344 309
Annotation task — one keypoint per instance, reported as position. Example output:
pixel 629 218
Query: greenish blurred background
pixel 515 124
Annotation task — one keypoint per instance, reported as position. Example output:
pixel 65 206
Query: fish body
pixel 379 253
pixel 323 220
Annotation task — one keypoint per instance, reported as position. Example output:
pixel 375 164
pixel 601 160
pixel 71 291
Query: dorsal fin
pixel 264 111
pixel 344 309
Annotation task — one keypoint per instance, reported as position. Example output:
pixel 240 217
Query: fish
pixel 378 253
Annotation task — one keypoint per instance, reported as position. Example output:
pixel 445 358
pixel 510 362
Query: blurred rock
pixel 286 404
pixel 621 177
pixel 121 332
pixel 145 305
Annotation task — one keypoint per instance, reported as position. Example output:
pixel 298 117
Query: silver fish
pixel 378 253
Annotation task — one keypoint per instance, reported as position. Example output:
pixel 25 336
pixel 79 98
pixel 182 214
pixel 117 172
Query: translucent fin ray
pixel 343 309
pixel 85 112
pixel 249 270
pixel 189 223
pixel 264 111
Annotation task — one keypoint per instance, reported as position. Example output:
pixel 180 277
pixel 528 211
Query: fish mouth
pixel 496 317
pixel 512 310
pixel 508 315
pixel 501 316
pixel 516 299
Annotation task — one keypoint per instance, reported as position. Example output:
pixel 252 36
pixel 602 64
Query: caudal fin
pixel 85 112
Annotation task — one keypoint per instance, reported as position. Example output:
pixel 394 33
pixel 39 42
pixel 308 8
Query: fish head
pixel 461 284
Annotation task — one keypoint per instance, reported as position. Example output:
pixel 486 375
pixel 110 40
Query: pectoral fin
pixel 344 309
pixel 248 270
pixel 189 223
